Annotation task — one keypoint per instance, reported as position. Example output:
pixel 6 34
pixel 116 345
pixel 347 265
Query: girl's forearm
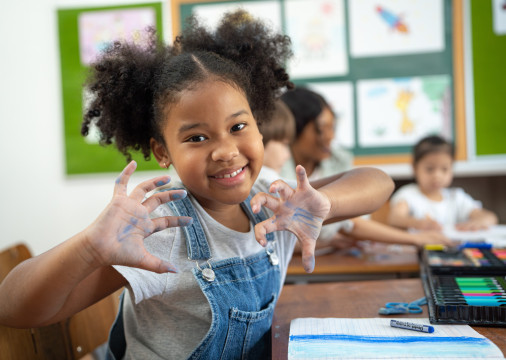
pixel 404 222
pixel 372 230
pixel 357 192
pixel 37 289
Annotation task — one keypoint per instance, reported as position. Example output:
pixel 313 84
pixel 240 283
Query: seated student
pixel 277 135
pixel 430 204
pixel 315 130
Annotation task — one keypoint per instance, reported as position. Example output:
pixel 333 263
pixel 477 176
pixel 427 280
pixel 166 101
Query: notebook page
pixel 374 338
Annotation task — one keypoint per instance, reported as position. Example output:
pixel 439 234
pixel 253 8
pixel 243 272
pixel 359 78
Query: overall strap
pixel 256 218
pixel 196 243
pixel 197 246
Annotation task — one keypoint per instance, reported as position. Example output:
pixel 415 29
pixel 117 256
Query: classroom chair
pixel 74 338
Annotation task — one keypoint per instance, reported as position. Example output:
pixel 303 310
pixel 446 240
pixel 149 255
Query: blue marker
pixel 411 326
pixel 476 245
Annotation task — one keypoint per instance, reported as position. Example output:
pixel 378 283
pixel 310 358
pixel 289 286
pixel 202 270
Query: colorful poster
pixel 83 34
pixel 97 29
pixel 398 112
pixel 318 32
pixel 392 27
pixel 340 97
pixel 268 11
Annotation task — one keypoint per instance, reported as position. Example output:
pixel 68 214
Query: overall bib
pixel 242 294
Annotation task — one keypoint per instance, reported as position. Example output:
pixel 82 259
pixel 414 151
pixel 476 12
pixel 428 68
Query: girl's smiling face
pixel 213 141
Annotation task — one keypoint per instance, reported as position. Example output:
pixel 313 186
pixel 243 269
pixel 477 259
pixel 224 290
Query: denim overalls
pixel 242 293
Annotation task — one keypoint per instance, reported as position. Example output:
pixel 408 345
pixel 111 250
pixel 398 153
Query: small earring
pixel 165 165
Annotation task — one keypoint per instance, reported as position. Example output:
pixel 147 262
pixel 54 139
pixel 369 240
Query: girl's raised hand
pixel 116 237
pixel 300 211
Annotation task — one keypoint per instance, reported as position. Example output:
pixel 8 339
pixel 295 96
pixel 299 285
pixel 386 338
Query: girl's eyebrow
pixel 190 126
pixel 187 127
pixel 236 114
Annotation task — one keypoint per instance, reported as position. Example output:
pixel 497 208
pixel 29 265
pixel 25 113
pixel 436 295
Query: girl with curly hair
pixel 202 261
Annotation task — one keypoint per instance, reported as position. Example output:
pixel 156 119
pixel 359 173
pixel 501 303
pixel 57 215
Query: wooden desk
pixel 360 299
pixel 376 261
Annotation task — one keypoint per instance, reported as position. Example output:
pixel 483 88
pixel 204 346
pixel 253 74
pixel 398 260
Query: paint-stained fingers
pixel 163 197
pixel 152 263
pixel 120 185
pixel 308 260
pixel 165 222
pixel 263 228
pixel 144 187
pixel 262 199
pixel 302 180
pixel 282 189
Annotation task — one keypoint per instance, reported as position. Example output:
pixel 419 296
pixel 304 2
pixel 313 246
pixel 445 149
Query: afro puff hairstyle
pixel 134 86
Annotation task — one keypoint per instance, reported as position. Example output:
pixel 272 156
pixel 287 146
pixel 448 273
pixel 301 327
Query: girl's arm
pixel 364 229
pixel 479 219
pixel 399 216
pixel 304 209
pixel 77 273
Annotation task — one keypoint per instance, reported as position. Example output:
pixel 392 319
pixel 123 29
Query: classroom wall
pixel 38 203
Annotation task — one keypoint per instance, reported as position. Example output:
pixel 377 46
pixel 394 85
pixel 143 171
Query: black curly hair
pixel 133 86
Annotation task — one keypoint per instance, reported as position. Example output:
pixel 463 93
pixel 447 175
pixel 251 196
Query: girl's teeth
pixel 230 175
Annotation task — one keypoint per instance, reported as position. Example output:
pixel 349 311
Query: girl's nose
pixel 225 151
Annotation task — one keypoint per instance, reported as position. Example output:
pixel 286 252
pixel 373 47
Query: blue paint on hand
pixel 185 221
pixel 302 215
pixel 172 268
pixel 177 196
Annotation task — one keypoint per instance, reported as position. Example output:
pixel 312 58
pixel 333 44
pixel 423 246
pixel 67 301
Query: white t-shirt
pixel 167 315
pixel 455 207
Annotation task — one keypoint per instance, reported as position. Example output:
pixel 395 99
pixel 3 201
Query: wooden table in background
pixel 376 261
pixel 357 299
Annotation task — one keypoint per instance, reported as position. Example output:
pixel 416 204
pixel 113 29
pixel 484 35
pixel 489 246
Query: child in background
pixel 277 136
pixel 430 204
pixel 208 290
pixel 315 124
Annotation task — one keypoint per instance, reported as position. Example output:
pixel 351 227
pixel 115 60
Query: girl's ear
pixel 160 152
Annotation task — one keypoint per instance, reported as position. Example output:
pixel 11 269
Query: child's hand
pixel 471 225
pixel 431 237
pixel 116 237
pixel 300 211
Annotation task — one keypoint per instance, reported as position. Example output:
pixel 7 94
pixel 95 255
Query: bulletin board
pixel 488 24
pixel 83 32
pixel 365 56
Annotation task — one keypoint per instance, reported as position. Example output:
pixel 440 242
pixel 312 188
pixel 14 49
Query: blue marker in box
pixel 476 245
pixel 411 326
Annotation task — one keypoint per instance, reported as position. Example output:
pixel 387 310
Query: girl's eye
pixel 238 127
pixel 196 138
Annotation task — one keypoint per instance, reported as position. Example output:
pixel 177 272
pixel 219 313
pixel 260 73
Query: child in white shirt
pixel 430 204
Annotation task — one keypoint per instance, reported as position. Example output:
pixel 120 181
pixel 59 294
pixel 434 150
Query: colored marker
pixel 475 245
pixel 435 247
pixel 411 326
